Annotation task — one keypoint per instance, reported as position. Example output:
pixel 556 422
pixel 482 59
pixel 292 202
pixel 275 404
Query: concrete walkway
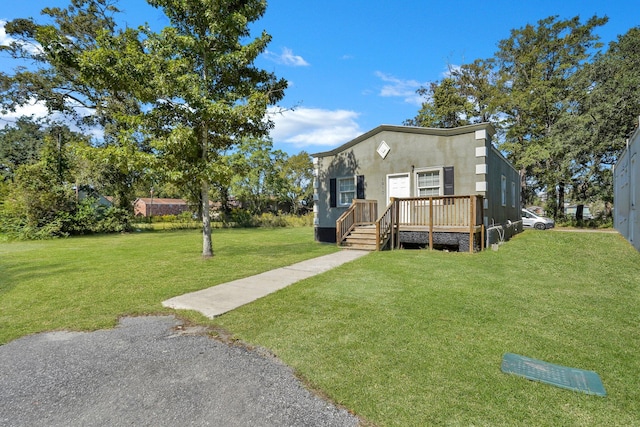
pixel 225 297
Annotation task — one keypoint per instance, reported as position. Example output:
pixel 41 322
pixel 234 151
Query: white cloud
pixel 38 110
pixel 305 127
pixel 286 58
pixel 6 40
pixel 396 87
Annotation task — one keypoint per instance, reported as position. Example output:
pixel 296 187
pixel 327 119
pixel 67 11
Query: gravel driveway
pixel 149 371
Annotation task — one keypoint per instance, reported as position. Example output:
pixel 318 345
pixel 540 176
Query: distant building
pixel 626 191
pixel 147 206
pixel 84 192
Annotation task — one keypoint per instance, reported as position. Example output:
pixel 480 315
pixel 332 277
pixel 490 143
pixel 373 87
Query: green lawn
pixel 415 338
pixel 86 283
pixel 407 338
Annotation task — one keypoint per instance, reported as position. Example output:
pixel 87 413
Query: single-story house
pixel 84 192
pixel 148 206
pixel 626 190
pixel 417 186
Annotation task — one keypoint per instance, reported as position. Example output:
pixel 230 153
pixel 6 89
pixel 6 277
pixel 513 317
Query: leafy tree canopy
pixel 561 106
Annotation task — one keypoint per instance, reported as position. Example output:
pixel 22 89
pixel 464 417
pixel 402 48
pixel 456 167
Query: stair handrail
pixel 385 226
pixel 345 223
pixel 361 212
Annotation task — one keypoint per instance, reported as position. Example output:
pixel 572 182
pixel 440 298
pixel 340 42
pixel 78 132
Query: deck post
pixel 430 223
pixel 392 200
pixel 472 221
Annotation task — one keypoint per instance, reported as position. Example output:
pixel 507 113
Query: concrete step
pixel 359 246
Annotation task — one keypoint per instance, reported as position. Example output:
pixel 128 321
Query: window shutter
pixel 448 181
pixel 333 198
pixel 360 187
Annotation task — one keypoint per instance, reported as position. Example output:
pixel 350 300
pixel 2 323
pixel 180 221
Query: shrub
pixel 240 218
pixel 114 220
pixel 305 220
pixel 598 222
pixel 185 216
pixel 165 218
pixel 271 220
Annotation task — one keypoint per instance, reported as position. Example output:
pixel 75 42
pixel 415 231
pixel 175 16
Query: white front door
pixel 398 186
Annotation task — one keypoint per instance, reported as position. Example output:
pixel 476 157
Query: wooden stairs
pixel 362 238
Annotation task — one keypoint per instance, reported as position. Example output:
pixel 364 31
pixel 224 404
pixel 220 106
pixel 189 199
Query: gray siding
pixel 627 191
pixel 477 167
pixel 496 212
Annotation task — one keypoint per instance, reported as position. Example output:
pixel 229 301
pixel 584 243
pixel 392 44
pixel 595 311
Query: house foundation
pixel 454 241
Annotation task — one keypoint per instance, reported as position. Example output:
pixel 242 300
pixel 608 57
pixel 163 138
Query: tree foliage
pixel 612 104
pixel 207 92
pixel 562 108
pixel 271 180
pixel 64 74
pixel 48 197
pixel 253 186
pixel 537 65
pixel 466 96
pixel 294 186
pixel 446 107
pixel 170 104
pixel 20 144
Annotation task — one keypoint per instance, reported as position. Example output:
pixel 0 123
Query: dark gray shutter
pixel 333 197
pixel 360 187
pixel 448 181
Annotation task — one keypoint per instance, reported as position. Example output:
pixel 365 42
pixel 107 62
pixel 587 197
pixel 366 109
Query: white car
pixel 531 220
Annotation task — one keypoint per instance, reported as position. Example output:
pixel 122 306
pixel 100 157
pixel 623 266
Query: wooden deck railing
pixel 443 213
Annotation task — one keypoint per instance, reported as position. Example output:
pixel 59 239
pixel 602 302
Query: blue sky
pixel 353 65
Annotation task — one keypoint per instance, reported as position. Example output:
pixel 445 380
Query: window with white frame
pixel 503 190
pixel 513 194
pixel 428 183
pixel 346 190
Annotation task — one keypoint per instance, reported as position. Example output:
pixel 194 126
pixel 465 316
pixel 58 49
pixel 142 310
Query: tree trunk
pixel 607 210
pixel 523 188
pixel 207 247
pixel 560 205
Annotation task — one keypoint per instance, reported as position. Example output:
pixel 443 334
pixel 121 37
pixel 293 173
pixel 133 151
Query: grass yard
pixel 402 338
pixel 86 283
pixel 415 338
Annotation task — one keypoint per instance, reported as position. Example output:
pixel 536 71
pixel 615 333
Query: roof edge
pixel 409 129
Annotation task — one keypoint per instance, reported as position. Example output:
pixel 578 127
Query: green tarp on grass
pixel 560 376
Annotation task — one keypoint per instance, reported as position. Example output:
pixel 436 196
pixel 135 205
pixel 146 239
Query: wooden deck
pixel 426 220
